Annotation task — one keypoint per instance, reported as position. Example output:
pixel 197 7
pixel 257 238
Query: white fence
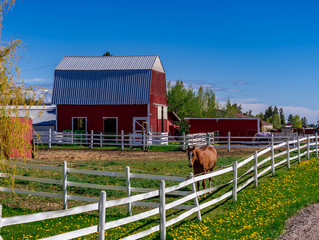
pixel 302 147
pixel 156 139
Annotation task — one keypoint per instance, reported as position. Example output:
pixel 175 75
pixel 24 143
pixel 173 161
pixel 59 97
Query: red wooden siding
pixel 157 96
pixel 95 114
pixel 237 127
pixel 28 137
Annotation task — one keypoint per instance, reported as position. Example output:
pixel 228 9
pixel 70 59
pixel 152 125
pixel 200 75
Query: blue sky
pixel 258 53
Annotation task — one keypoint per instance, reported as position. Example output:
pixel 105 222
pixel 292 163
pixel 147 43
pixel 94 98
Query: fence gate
pixel 139 125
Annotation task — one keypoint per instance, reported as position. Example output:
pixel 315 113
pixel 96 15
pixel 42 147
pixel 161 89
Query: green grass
pixel 223 221
pixel 260 213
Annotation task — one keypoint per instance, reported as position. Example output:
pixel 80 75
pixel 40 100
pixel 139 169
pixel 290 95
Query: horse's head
pixel 191 155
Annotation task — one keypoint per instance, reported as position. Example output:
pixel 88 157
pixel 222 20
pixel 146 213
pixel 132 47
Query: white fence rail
pixel 157 139
pixel 308 144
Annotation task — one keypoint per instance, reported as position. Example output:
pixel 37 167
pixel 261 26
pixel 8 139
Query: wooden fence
pixel 302 147
pixel 123 140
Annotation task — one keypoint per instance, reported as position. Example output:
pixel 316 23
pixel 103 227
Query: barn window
pixel 110 124
pixel 161 116
pixel 79 124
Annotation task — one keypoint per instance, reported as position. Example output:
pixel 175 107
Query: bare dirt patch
pixel 82 154
pixel 304 225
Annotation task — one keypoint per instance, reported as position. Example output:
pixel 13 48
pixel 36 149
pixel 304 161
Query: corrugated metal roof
pixel 40 115
pixel 101 87
pixel 108 63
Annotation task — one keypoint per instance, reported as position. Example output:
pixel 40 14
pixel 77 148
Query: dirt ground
pixel 80 154
pixel 304 225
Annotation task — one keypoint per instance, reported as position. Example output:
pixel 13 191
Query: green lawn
pixel 258 214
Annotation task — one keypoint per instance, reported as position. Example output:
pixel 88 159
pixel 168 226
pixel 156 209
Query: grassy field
pixel 259 213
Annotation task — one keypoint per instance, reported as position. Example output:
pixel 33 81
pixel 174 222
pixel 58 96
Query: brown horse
pixel 202 160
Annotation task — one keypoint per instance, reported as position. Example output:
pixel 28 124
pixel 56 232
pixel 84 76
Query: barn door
pixel 139 124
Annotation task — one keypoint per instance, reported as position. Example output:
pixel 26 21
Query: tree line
pixel 185 101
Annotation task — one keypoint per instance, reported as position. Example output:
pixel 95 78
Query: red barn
pixel 110 94
pixel 236 126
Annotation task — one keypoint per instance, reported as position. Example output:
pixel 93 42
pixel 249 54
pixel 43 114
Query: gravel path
pixel 304 225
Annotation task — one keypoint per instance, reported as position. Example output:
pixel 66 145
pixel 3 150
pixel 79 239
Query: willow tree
pixel 15 100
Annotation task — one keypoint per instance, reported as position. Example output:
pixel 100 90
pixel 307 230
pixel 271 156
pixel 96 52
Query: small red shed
pixel 236 126
pixel 27 137
pixel 110 94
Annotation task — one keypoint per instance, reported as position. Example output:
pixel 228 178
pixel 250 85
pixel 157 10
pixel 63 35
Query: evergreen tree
pixel 107 54
pixel 304 121
pixel 268 113
pixel 248 113
pixel 290 118
pixel 282 117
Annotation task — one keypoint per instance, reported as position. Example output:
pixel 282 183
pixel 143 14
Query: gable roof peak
pixel 100 63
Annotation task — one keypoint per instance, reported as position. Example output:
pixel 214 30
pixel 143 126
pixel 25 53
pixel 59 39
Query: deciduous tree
pixel 296 121
pixel 15 100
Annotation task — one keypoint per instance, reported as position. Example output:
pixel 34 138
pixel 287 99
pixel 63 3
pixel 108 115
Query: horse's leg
pixel 204 186
pixel 198 186
pixel 210 179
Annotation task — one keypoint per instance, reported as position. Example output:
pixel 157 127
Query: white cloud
pixel 236 82
pixel 230 90
pixel 254 107
pixel 246 100
pixel 312 115
pixel 41 82
pixel 197 83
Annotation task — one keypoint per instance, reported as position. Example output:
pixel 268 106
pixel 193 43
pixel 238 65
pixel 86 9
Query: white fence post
pixel 72 137
pixel 122 139
pixel 50 138
pixel 316 144
pixel 101 227
pixel 101 139
pixel 65 185
pixel 228 142
pixel 128 189
pixel 308 147
pixel 184 141
pixel 273 139
pixel 91 146
pixel 143 140
pixel 130 140
pixel 162 210
pixel 273 159
pixel 298 148
pixel 255 169
pixel 235 182
pixel 288 154
pixel 196 202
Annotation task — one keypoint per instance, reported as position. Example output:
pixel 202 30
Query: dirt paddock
pixel 81 154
